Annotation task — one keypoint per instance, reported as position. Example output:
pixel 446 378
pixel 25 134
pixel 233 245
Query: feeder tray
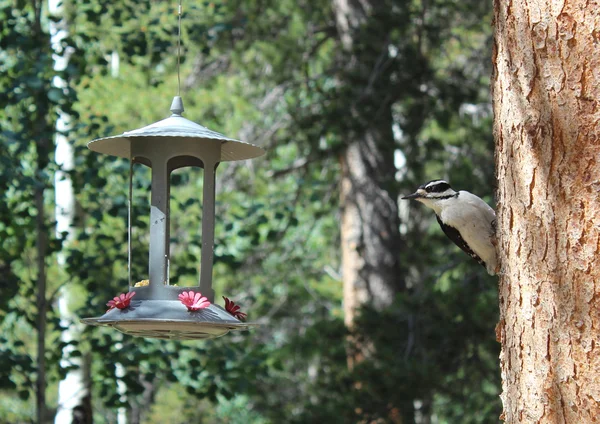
pixel 169 319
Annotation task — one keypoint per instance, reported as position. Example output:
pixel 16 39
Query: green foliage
pixel 273 73
pixel 29 104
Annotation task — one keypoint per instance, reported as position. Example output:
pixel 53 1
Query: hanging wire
pixel 179 50
pixel 129 219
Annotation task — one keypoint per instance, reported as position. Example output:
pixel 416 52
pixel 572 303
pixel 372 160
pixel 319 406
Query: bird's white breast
pixel 473 218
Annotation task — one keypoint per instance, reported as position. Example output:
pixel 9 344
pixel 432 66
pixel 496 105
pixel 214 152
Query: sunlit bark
pixel 546 92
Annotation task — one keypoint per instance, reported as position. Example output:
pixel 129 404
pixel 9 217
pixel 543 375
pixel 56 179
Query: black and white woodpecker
pixel 465 218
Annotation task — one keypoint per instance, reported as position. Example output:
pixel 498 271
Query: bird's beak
pixel 415 195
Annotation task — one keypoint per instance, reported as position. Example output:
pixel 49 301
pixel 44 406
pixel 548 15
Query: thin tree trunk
pixel 41 132
pixel 74 396
pixel 139 410
pixel 546 91
pixel 42 144
pixel 41 247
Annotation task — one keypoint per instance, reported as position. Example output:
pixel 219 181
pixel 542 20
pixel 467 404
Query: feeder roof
pixel 175 126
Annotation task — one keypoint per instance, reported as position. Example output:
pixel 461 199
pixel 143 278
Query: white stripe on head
pixel 435 182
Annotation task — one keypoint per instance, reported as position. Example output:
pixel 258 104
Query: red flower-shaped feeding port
pixel 121 301
pixel 194 300
pixel 234 309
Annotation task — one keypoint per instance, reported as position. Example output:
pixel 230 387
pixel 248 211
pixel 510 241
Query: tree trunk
pixel 74 395
pixel 140 407
pixel 41 132
pixel 370 226
pixel 41 304
pixel 370 235
pixel 546 88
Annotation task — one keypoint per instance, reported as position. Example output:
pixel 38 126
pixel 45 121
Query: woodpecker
pixel 465 218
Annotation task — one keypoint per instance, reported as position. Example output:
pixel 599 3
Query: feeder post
pixel 159 221
pixel 156 155
pixel 210 157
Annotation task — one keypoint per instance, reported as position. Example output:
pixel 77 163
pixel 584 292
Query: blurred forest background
pixel 305 80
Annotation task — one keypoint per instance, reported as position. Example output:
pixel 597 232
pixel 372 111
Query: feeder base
pixel 169 319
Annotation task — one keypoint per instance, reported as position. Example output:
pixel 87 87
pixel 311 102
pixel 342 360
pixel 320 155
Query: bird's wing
pixel 481 206
pixel 455 236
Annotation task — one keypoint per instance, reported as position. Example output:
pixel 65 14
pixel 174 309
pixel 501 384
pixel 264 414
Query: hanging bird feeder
pixel 157 310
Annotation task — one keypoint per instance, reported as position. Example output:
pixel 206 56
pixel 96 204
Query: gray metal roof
pixel 175 126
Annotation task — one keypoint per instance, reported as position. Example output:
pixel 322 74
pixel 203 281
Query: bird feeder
pixel 164 146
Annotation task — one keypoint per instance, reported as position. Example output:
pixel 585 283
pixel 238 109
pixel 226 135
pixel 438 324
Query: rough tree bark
pixel 546 91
